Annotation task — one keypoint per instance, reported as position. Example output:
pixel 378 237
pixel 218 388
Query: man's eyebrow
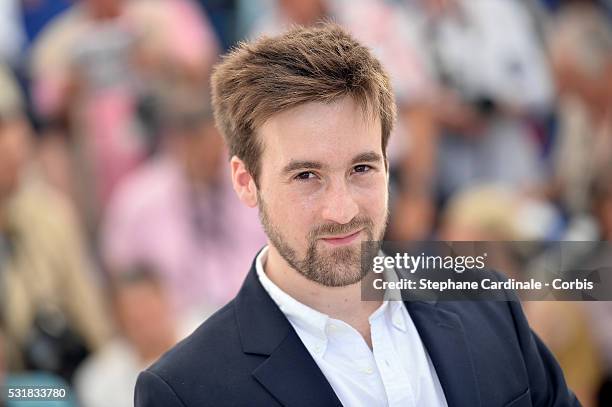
pixel 301 165
pixel 368 157
pixel 295 165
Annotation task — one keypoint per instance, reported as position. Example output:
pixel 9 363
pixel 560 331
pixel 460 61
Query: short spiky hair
pixel 272 74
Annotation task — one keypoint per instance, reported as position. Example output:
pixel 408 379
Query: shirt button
pixel 368 370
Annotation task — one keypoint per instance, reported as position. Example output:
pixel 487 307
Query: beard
pixel 334 266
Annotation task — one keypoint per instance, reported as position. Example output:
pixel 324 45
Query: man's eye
pixel 306 175
pixel 362 168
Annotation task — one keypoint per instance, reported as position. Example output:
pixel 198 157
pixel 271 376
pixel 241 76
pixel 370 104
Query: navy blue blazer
pixel 248 354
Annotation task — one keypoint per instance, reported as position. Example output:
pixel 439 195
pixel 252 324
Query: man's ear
pixel 243 182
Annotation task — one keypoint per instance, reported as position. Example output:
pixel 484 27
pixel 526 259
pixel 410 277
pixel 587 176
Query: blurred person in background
pixel 492 82
pixel 498 213
pixel 95 70
pixel 179 214
pixel 146 329
pixel 600 258
pixel 468 93
pixel 385 28
pixel 50 306
pixel 580 41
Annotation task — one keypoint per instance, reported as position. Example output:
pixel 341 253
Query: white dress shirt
pixel 397 370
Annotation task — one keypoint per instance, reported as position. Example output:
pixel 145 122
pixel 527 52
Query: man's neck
pixel 343 303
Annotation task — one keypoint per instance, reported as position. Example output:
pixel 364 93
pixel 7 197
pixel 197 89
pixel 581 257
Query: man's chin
pixel 342 278
pixel 338 267
pixel 339 254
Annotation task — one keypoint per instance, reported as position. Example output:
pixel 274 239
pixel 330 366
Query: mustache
pixel 360 222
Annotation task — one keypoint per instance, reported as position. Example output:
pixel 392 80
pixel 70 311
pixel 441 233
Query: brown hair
pixel 272 74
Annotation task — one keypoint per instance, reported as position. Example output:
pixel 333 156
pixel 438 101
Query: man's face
pixel 323 188
pixel 143 313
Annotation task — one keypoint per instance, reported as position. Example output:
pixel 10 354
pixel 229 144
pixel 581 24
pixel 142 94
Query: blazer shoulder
pixel 211 345
pixel 498 318
pixel 208 368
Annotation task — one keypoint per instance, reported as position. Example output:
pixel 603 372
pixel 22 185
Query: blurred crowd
pixel 119 229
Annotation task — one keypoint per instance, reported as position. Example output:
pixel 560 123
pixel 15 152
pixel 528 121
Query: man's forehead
pixel 315 114
pixel 320 131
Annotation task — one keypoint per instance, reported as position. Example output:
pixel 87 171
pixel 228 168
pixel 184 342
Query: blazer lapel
pixel 444 338
pixel 289 373
pixel 294 378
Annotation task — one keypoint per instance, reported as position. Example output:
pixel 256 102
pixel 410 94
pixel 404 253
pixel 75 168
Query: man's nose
pixel 340 206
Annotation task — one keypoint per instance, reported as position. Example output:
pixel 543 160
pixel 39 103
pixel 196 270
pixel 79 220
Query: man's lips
pixel 342 239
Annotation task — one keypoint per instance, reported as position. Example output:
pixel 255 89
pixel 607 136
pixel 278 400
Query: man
pixel 385 28
pixel 179 214
pixel 46 277
pixel 307 117
pixel 146 329
pixel 95 70
pixel 491 91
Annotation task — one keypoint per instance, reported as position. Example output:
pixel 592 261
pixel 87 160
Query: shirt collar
pixel 306 318
pixel 313 322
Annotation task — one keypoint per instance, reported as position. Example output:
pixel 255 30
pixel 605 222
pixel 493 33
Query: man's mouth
pixel 342 239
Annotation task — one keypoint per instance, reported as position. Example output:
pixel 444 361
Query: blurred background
pixel 120 232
